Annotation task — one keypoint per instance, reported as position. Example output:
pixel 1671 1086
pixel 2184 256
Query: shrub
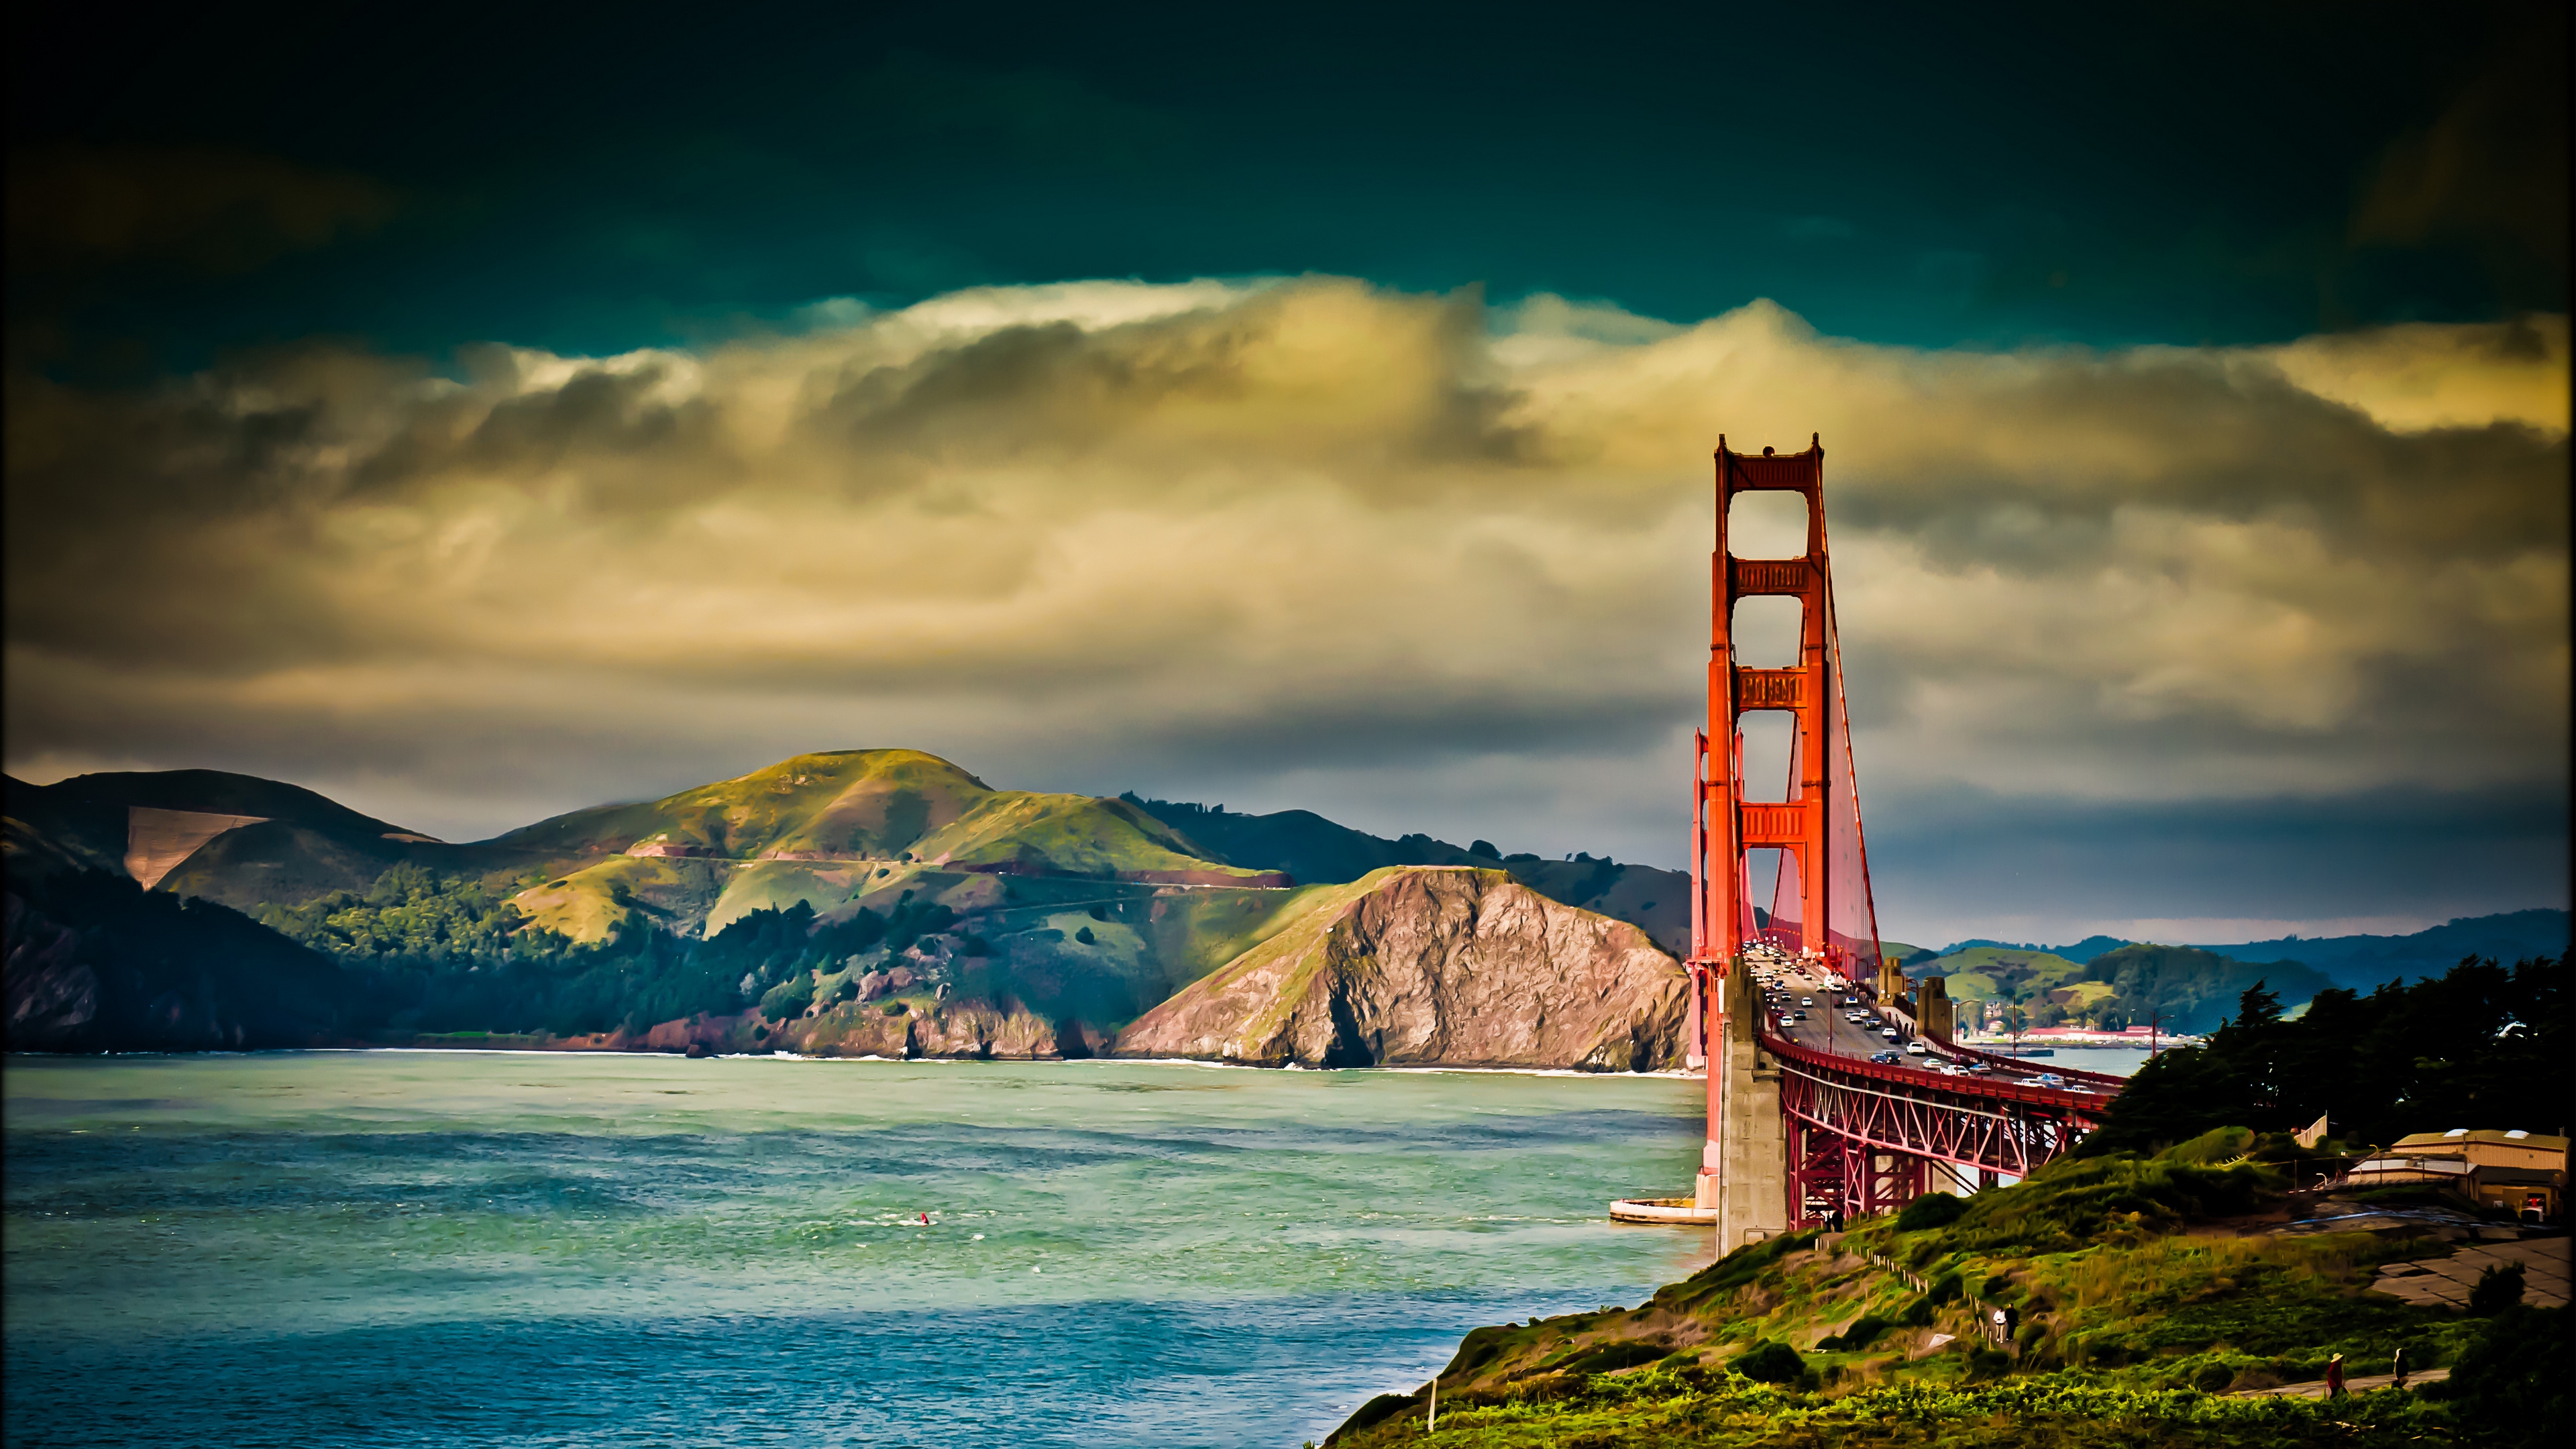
pixel 1771 1363
pixel 2513 1380
pixel 1864 1330
pixel 1627 1354
pixel 1732 1271
pixel 1085 937
pixel 1997 1288
pixel 1931 1210
pixel 788 998
pixel 896 1008
pixel 2213 1378
pixel 1944 1289
pixel 2496 1290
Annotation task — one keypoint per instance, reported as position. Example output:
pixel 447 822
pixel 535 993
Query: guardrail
pixel 2069 1073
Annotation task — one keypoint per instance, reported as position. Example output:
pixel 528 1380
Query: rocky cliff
pixel 1433 966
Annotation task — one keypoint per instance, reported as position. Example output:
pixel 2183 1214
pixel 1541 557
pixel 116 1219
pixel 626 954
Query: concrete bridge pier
pixel 1744 1168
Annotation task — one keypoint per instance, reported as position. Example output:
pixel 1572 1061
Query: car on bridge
pixel 1886 1058
pixel 1915 1049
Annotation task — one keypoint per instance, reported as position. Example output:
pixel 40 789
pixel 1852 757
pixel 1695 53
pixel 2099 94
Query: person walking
pixel 2334 1377
pixel 2397 1366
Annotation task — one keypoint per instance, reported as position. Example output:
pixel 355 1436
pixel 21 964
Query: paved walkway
pixel 2316 1388
pixel 2446 1281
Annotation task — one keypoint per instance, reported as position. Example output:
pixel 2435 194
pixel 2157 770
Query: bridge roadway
pixel 1824 1032
pixel 1977 1112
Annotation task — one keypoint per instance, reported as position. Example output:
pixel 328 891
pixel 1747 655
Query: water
pixel 463 1248
pixel 2110 1061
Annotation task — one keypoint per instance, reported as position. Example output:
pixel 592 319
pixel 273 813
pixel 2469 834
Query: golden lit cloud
pixel 1301 525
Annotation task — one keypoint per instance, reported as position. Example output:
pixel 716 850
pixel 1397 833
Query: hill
pixel 2185 988
pixel 2362 962
pixel 98 963
pixel 2084 950
pixel 836 828
pixel 2138 1299
pixel 2356 962
pixel 851 901
pixel 1316 851
pixel 1425 965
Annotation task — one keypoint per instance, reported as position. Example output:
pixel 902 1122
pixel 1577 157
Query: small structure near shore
pixel 1666 1211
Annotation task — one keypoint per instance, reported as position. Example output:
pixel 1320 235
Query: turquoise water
pixel 465 1248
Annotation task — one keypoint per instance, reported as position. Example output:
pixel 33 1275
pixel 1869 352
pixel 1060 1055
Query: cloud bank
pixel 1406 558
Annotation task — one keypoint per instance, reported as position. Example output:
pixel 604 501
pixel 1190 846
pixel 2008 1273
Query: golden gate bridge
pixel 1809 1122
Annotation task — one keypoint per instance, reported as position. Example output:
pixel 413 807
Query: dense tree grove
pixel 2482 1046
pixel 2183 985
pixel 422 954
pixel 166 974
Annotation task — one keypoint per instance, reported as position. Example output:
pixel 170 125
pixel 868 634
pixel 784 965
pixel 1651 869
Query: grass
pixel 2134 1310
pixel 1687 1407
pixel 883 821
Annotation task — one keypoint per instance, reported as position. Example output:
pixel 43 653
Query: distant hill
pixel 2300 966
pixel 852 901
pixel 2193 989
pixel 2187 989
pixel 2084 950
pixel 1319 852
pixel 2362 962
pixel 98 963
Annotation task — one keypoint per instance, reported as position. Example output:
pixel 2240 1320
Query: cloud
pixel 1299 541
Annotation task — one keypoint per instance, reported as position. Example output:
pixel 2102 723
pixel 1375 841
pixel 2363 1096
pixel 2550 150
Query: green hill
pixel 2136 1302
pixel 855 804
pixel 2187 989
pixel 1316 851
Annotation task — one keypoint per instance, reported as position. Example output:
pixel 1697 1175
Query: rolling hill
pixel 1316 851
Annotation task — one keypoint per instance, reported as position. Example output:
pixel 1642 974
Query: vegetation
pixel 424 955
pixel 2182 988
pixel 160 973
pixel 2477 1047
pixel 1689 1406
pixel 2136 1322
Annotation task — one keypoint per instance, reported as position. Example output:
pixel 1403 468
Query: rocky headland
pixel 1433 966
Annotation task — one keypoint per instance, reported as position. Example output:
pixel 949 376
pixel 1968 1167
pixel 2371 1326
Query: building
pixel 2523 1173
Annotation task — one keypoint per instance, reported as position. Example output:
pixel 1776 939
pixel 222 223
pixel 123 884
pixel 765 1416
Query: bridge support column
pixel 1744 1166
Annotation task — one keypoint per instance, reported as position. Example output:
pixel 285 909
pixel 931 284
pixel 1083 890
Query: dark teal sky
pixel 2164 637
pixel 2174 173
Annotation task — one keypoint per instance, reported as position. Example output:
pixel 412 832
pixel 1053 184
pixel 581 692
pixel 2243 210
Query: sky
pixel 483 414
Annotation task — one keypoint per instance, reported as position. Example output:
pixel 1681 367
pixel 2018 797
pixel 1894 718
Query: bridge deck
pixel 1826 1042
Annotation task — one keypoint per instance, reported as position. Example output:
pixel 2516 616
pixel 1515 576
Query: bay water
pixel 450 1248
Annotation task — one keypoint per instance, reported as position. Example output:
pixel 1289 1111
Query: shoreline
pixel 665 1055
pixel 2004 1046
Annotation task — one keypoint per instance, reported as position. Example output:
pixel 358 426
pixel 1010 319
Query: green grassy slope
pixel 858 803
pixel 2136 1301
pixel 835 828
pixel 1067 835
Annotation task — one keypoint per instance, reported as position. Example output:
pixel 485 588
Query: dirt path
pixel 2316 1388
